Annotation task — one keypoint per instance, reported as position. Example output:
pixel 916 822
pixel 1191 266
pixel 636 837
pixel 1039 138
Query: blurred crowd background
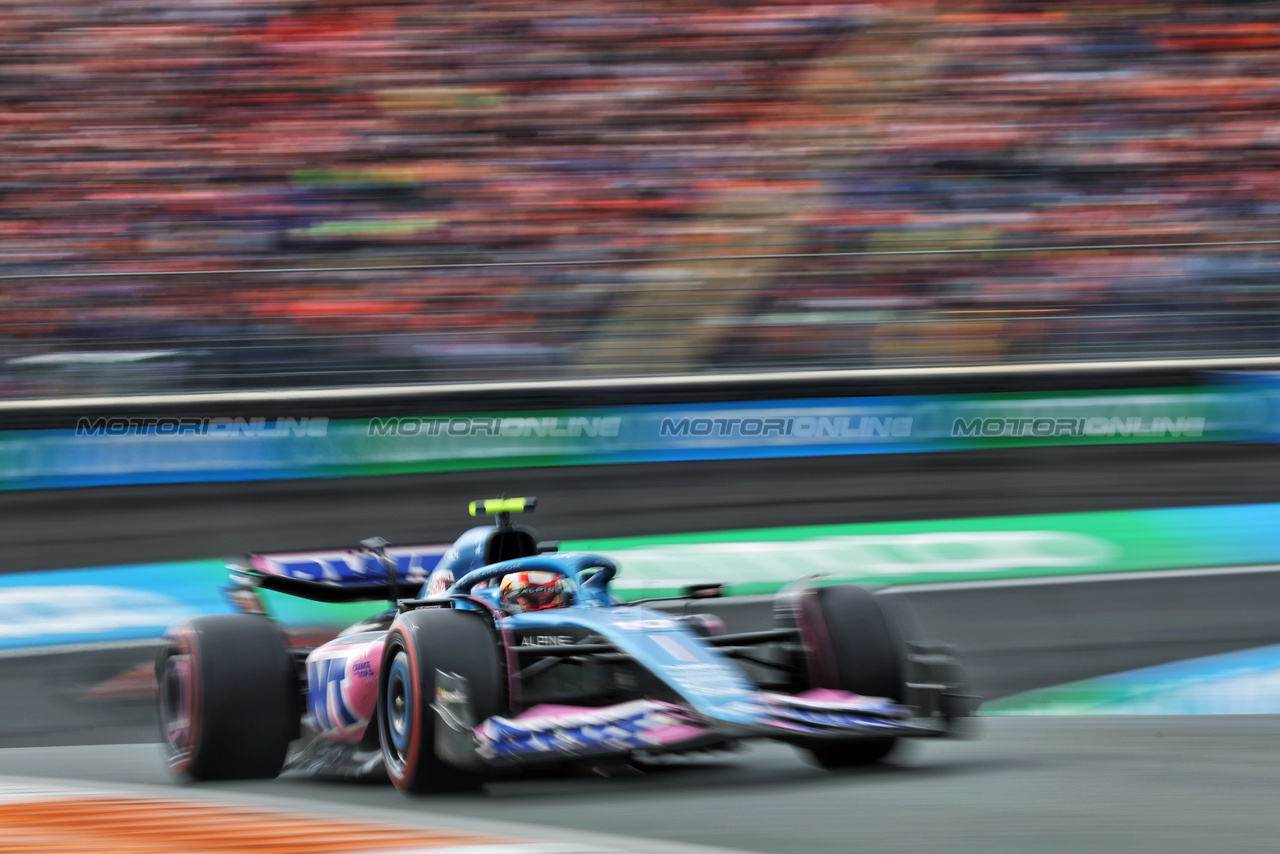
pixel 521 189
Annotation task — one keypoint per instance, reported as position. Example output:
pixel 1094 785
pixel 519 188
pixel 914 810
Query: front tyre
pixel 418 644
pixel 227 698
pixel 858 648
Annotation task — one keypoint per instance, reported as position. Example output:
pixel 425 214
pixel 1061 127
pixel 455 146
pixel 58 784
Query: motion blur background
pixel 953 183
pixel 336 195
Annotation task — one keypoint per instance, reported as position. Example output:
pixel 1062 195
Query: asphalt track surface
pixel 1086 784
pixel 1105 785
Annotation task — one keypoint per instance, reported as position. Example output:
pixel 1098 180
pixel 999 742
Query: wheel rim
pixel 398 700
pixel 175 706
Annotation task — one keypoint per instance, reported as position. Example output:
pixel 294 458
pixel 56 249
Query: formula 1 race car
pixel 513 655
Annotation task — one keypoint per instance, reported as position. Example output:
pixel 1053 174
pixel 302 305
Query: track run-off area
pixel 1126 783
pixel 1139 785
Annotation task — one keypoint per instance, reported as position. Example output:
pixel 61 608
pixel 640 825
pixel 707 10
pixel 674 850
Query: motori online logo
pixel 221 427
pixel 1097 425
pixel 510 427
pixel 792 427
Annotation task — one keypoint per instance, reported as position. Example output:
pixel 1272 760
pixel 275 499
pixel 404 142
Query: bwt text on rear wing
pixel 376 571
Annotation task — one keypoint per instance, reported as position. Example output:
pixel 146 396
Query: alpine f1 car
pixel 505 654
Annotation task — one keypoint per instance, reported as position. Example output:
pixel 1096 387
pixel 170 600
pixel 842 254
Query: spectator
pixel 139 138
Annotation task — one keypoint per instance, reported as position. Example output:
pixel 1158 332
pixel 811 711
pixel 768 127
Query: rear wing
pixel 344 575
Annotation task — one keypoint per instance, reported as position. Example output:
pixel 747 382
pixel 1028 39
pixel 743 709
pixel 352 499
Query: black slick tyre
pixel 227 698
pixel 863 653
pixel 418 644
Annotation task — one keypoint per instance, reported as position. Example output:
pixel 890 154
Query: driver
pixel 534 591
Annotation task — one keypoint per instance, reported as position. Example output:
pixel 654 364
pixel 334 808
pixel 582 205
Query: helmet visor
pixel 533 598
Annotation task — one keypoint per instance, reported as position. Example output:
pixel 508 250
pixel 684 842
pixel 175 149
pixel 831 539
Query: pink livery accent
pixel 342 688
pixel 828 700
pixel 828 695
pixel 548 710
pixel 550 730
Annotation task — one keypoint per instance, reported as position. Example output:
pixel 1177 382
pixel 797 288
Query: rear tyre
pixel 227 698
pixel 863 653
pixel 418 644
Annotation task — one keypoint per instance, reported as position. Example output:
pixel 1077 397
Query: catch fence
pixel 330 321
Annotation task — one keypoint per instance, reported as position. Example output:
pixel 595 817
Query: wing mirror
pixel 704 591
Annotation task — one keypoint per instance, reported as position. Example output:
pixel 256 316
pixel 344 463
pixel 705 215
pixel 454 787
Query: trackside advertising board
pixel 110 603
pixel 1260 392
pixel 106 450
pixel 1246 682
pixel 763 561
pixel 139 601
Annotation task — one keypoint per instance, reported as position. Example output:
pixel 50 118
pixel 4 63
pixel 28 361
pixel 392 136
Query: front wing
pixel 558 733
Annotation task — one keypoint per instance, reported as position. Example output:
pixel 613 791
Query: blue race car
pixel 510 654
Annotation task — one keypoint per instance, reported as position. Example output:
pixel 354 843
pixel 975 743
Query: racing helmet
pixel 534 590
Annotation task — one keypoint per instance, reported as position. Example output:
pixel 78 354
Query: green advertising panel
pixel 764 560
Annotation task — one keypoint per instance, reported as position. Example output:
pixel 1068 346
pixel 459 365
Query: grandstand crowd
pixel 140 137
